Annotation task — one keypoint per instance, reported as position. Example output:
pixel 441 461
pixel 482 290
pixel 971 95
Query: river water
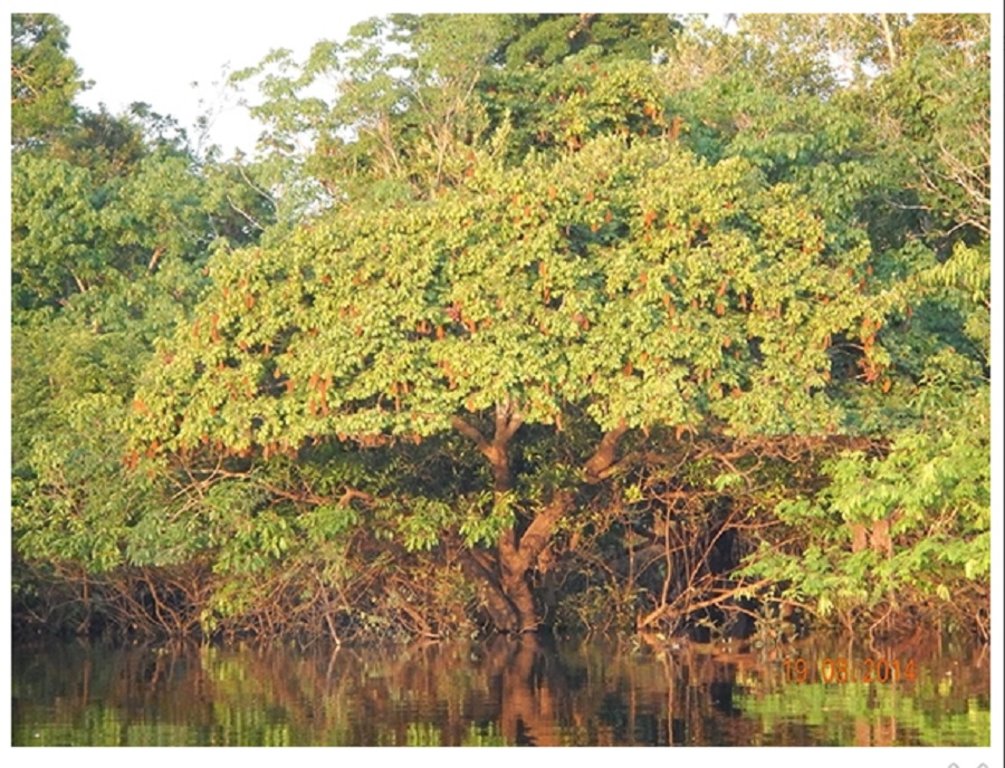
pixel 503 692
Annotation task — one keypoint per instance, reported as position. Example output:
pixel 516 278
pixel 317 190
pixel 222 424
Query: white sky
pixel 154 52
pixel 174 57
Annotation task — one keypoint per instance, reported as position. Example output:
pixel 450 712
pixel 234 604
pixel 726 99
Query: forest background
pixel 579 321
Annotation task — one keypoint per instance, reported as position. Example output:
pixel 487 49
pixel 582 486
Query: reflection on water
pixel 506 692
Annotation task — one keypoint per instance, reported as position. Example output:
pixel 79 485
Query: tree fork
pixel 512 559
pixel 511 603
pixel 516 558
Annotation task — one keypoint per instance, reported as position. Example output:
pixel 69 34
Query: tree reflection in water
pixel 508 691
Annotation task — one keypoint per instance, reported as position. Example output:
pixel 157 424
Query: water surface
pixel 505 692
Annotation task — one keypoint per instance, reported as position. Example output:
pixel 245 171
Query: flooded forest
pixel 539 379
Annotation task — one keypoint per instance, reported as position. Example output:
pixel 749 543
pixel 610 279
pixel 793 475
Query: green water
pixel 506 692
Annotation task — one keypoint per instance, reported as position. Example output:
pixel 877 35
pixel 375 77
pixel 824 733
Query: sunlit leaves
pixel 44 80
pixel 889 528
pixel 634 281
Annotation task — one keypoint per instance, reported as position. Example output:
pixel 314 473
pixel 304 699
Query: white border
pixel 938 757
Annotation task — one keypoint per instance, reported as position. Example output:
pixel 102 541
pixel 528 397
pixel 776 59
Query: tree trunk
pixel 507 594
pixel 513 574
pixel 517 560
pixel 491 594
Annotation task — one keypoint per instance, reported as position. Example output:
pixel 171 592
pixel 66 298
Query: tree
pixel 632 286
pixel 407 98
pixel 901 529
pixel 44 80
pixel 112 219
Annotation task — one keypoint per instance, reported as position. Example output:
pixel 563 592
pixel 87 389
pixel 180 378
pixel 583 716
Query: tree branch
pixel 538 533
pixel 603 457
pixel 471 432
pixel 154 258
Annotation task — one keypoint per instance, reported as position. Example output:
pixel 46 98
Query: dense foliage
pixel 584 321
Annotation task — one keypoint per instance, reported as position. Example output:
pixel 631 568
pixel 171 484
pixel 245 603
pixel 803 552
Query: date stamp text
pixel 840 670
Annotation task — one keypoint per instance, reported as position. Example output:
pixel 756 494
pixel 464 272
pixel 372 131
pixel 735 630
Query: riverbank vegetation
pixel 513 323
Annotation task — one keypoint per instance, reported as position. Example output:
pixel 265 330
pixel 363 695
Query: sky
pixel 174 56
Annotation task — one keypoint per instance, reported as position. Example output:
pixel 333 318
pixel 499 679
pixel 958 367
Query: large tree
pixel 635 287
